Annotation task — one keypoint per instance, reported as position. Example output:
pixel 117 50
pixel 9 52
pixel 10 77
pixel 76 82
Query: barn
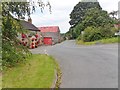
pixel 51 34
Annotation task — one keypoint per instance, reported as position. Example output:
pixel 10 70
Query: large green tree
pixel 77 16
pixel 96 25
pixel 90 15
pixel 97 18
pixel 80 9
pixel 12 51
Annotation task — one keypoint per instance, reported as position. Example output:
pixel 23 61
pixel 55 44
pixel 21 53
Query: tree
pixel 0 37
pixel 12 51
pixel 113 14
pixel 80 9
pixel 77 16
pixel 97 18
pixel 20 9
pixel 97 24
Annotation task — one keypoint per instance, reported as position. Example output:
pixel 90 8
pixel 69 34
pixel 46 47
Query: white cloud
pixel 61 10
pixel 109 5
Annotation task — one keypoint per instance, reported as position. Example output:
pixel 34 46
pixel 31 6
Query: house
pixel 33 37
pixel 117 26
pixel 51 34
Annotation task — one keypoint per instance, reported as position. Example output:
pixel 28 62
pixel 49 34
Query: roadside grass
pixel 0 82
pixel 37 72
pixel 103 41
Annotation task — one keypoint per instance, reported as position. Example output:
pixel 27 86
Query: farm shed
pixel 51 34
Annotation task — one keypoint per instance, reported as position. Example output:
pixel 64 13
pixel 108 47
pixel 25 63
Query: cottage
pixel 51 34
pixel 33 38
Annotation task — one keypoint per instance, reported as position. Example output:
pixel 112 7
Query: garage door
pixel 48 40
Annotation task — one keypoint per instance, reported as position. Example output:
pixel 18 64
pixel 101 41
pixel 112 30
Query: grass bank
pixel 103 41
pixel 38 72
pixel 0 82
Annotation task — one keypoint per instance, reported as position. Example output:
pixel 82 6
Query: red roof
pixel 49 29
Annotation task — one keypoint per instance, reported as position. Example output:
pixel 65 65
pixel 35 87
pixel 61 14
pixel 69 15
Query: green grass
pixel 0 82
pixel 103 41
pixel 38 72
pixel 109 40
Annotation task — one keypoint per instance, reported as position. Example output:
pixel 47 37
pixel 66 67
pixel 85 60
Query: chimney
pixel 30 20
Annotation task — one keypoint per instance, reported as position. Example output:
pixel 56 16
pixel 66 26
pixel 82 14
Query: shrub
pixel 97 33
pixel 91 34
pixel 79 37
pixel 107 31
pixel 12 51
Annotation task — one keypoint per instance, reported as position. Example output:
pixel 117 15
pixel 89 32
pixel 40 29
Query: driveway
pixel 93 66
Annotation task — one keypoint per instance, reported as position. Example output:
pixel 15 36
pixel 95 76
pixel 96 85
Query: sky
pixel 61 10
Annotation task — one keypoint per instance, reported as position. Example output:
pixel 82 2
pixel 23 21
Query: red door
pixel 48 40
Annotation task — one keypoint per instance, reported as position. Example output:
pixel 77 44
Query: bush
pixel 91 34
pixel 79 37
pixel 107 31
pixel 12 51
pixel 97 33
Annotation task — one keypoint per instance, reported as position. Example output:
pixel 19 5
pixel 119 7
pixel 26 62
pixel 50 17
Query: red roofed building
pixel 51 34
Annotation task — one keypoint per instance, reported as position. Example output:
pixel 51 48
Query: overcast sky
pixel 61 10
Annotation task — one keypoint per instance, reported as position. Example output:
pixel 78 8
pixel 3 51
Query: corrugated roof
pixel 49 29
pixel 29 26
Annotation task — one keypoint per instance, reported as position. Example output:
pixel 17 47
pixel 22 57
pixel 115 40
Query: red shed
pixel 51 34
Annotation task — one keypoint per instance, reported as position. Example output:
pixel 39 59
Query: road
pixel 93 66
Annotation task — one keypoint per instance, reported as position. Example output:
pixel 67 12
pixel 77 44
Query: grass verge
pixel 59 76
pixel 103 41
pixel 38 72
pixel 0 82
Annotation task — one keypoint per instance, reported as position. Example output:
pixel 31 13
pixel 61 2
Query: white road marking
pixel 45 51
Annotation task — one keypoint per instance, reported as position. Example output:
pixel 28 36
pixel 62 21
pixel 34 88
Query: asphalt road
pixel 85 66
